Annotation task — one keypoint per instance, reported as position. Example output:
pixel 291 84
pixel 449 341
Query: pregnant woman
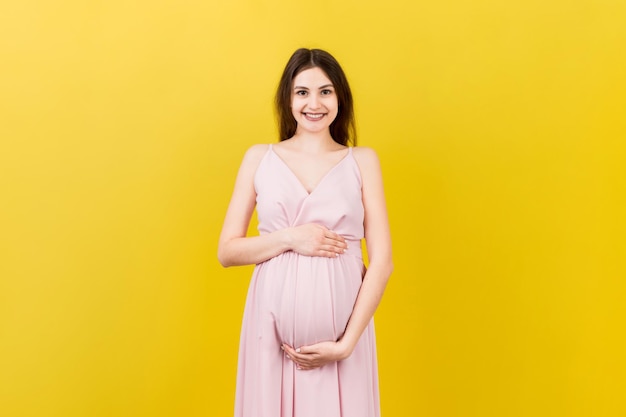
pixel 307 342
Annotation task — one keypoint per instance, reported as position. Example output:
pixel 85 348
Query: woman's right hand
pixel 315 240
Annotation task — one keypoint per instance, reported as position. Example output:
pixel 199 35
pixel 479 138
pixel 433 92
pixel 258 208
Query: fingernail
pixel 298 350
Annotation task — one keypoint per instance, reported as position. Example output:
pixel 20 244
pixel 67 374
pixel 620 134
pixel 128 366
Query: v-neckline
pixel 322 178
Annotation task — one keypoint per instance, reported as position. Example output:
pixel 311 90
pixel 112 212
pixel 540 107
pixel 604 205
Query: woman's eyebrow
pixel 306 88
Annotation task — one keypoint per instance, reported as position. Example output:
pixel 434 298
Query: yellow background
pixel 501 129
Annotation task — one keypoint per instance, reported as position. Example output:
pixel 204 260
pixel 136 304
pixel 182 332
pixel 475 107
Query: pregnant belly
pixel 309 299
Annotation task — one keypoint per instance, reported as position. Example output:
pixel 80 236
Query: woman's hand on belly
pixel 315 240
pixel 317 355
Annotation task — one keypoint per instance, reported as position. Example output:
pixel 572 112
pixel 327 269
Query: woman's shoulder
pixel 365 157
pixel 253 156
pixel 257 150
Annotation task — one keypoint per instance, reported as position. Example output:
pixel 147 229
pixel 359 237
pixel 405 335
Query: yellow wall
pixel 501 127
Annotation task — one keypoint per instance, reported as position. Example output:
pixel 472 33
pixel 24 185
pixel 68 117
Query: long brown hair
pixel 342 129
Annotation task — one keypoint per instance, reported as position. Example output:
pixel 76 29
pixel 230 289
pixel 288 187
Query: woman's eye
pixel 301 93
pixel 326 92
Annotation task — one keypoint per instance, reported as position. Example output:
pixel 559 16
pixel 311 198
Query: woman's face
pixel 314 102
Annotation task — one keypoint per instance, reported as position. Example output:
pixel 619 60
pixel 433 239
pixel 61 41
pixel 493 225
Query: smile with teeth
pixel 314 116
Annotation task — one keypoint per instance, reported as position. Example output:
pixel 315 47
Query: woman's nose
pixel 314 101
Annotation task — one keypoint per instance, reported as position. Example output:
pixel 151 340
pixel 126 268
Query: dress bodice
pixel 336 201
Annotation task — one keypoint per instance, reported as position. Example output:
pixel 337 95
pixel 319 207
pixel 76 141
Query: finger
pixel 289 351
pixel 333 245
pixel 341 247
pixel 302 353
pixel 334 250
pixel 307 365
pixel 338 236
pixel 304 350
pixel 333 240
pixel 331 234
pixel 301 358
pixel 328 253
pixel 308 360
pixel 336 244
pixel 297 356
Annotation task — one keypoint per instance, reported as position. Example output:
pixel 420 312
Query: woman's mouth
pixel 314 117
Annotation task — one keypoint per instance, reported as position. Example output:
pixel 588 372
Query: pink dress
pixel 301 300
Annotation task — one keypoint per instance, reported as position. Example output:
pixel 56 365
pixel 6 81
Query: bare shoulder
pixel 256 151
pixel 253 156
pixel 366 158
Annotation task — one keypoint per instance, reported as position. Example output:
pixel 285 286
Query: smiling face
pixel 314 102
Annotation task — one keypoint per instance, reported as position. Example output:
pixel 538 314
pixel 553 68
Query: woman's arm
pixel 378 241
pixel 236 249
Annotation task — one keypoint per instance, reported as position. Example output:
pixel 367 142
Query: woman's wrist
pixel 345 349
pixel 285 239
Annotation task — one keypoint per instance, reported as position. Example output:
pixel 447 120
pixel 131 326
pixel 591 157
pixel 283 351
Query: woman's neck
pixel 314 143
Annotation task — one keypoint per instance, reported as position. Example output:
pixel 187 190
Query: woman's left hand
pixel 317 355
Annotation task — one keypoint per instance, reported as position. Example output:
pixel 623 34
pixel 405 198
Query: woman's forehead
pixel 312 77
